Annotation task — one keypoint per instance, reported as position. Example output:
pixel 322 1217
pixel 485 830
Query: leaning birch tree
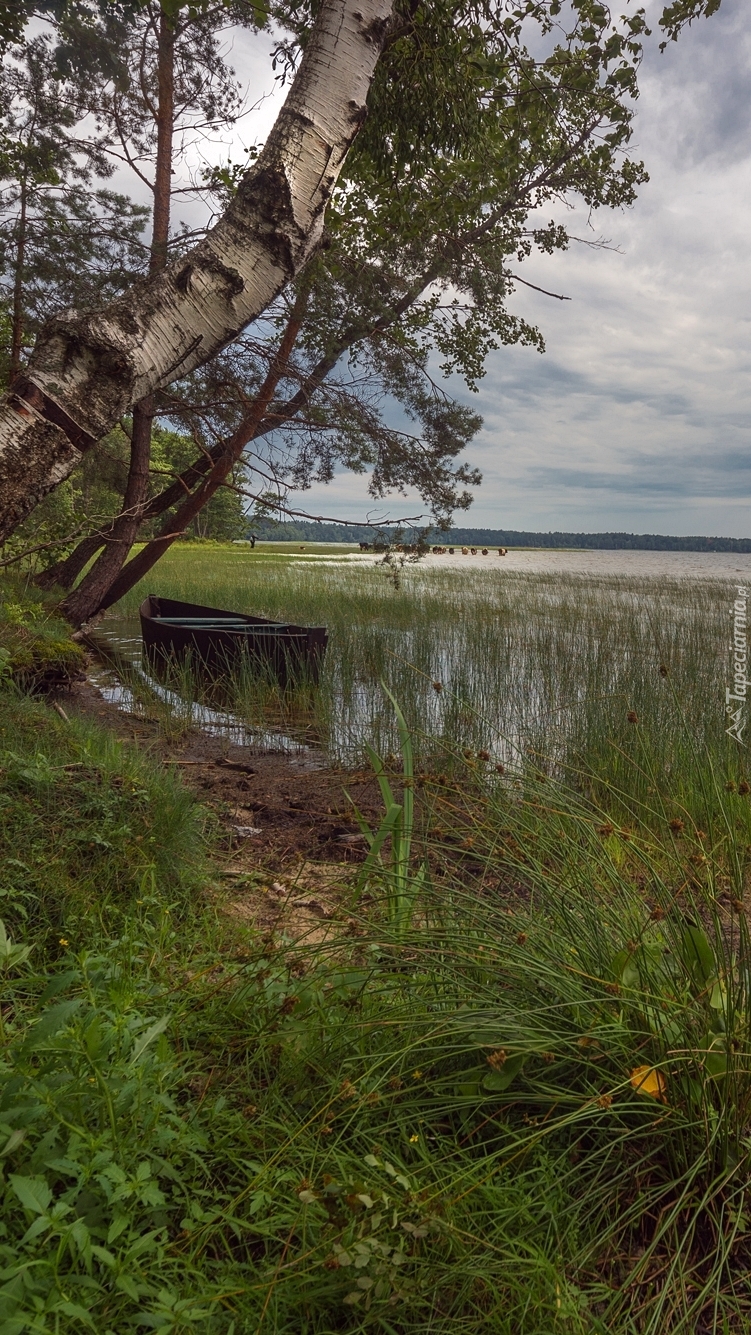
pixel 87 370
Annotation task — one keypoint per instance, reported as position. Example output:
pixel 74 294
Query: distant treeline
pixel 308 531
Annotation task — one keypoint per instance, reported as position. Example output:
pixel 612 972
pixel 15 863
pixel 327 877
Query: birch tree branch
pixel 87 370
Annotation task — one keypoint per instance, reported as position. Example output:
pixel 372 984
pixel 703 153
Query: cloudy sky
pixel 638 416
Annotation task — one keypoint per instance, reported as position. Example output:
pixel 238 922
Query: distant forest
pixel 310 531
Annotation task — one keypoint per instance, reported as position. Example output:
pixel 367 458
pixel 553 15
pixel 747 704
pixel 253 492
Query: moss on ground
pixel 37 650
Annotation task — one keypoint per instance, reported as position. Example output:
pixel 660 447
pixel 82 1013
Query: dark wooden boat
pixel 216 639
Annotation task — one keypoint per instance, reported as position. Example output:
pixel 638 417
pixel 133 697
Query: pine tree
pixel 65 239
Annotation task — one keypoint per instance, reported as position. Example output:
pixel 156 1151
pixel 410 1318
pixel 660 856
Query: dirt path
pixel 292 842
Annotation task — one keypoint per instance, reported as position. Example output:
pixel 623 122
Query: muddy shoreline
pixel 289 842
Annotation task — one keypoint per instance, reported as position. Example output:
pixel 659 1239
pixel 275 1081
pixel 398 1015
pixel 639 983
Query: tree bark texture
pixel 65 572
pixel 84 601
pixel 16 341
pixel 165 129
pixel 88 370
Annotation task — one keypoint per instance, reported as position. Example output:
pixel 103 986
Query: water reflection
pixel 496 666
pixel 124 678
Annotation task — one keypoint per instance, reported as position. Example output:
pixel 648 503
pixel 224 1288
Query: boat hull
pixel 218 640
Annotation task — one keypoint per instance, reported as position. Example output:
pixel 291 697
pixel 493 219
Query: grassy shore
pixel 520 1107
pixel 508 1091
pixel 511 664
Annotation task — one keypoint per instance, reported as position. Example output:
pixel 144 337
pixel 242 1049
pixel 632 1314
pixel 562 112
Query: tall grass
pixel 522 1111
pixel 521 1106
pixel 85 825
pixel 509 664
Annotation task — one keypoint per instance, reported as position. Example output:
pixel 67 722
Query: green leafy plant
pixel 384 1226
pixel 93 1152
pixel 401 884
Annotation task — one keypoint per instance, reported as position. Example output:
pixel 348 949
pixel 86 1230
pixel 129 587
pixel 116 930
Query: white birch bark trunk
pixel 87 370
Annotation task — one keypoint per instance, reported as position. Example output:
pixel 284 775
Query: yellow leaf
pixel 648 1080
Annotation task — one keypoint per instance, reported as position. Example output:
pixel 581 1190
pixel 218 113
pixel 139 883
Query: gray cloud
pixel 706 75
pixel 644 395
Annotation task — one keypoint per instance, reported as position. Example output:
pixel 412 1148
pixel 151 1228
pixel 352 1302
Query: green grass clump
pixel 36 649
pixel 524 1111
pixel 85 823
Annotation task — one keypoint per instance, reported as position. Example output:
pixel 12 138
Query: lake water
pixel 515 657
pixel 552 560
pixel 731 566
